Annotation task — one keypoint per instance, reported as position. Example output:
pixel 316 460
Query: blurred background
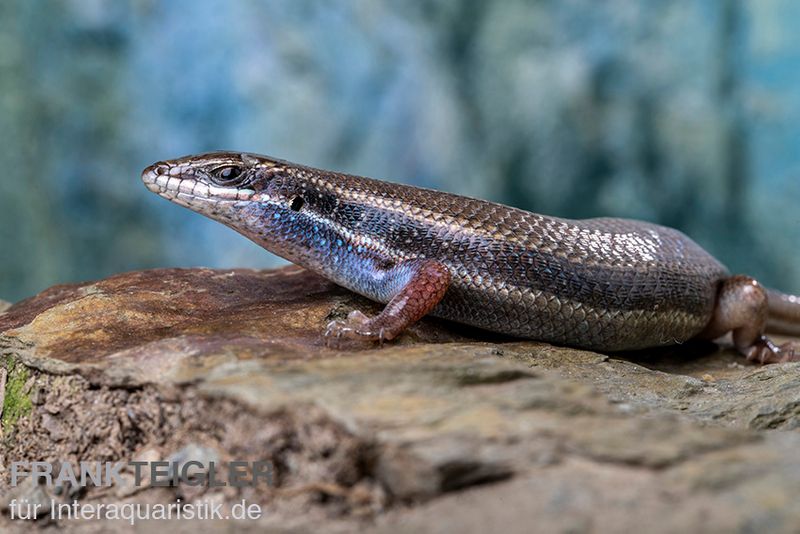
pixel 683 112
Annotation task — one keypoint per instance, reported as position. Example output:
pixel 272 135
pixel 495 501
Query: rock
pixel 446 429
pixel 20 501
pixel 4 306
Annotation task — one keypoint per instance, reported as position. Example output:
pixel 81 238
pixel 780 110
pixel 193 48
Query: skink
pixel 604 284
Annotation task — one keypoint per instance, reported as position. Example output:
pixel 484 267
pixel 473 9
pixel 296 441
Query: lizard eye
pixel 226 175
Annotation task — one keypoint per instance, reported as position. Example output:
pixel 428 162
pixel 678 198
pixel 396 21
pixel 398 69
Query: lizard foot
pixel 765 351
pixel 356 327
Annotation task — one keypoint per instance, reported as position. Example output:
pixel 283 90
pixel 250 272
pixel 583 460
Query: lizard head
pixel 268 200
pixel 217 184
pixel 202 182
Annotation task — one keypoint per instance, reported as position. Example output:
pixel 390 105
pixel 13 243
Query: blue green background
pixel 680 112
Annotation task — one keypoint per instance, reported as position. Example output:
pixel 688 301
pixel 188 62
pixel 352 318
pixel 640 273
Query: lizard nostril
pixel 156 169
pixel 153 172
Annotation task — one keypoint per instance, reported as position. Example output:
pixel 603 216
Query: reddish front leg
pixel 742 309
pixel 427 284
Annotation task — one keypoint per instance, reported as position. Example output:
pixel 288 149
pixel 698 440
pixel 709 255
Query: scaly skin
pixel 604 284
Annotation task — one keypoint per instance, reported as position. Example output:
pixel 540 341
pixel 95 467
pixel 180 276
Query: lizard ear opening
pixel 296 204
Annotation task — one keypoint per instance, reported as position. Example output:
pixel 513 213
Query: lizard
pixel 605 284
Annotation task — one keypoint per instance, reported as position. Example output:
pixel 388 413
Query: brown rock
pixel 471 429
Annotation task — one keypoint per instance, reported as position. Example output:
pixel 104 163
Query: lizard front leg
pixel 427 282
pixel 741 308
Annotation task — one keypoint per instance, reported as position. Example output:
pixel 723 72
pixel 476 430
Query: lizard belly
pixel 600 310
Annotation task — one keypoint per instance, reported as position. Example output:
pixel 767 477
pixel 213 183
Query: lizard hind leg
pixel 427 283
pixel 742 309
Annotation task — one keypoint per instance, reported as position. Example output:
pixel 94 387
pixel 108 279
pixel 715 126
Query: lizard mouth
pixel 188 190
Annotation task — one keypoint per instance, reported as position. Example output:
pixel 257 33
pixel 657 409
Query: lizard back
pixel 601 283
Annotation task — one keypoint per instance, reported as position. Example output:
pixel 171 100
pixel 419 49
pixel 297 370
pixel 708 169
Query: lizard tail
pixel 784 313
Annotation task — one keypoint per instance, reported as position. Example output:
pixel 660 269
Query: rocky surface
pixel 446 430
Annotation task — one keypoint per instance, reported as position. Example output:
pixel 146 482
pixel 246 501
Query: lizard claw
pixel 765 351
pixel 333 334
pixel 790 352
pixel 356 327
